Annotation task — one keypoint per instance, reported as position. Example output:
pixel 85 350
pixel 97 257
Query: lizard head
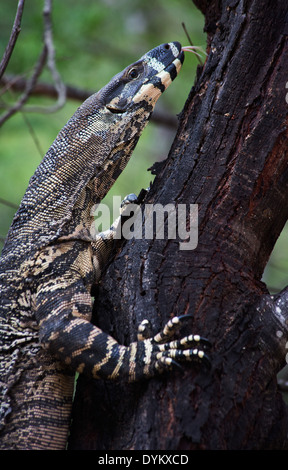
pixel 144 81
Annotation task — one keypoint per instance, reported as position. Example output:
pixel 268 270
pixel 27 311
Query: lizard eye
pixel 133 74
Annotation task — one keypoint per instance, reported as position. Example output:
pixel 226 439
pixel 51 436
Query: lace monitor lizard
pixel 50 261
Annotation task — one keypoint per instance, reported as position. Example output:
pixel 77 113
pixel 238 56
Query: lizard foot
pixel 188 348
pixel 133 198
pixel 160 352
pixel 129 199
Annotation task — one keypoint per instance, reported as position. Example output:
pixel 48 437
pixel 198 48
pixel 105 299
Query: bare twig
pixel 48 53
pixel 29 87
pixel 51 63
pixel 33 135
pixel 18 83
pixel 191 43
pixel 13 37
pixel 8 203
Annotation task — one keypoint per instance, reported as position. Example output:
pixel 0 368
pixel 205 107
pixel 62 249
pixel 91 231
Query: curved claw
pixel 199 339
pixel 144 330
pixel 167 363
pixel 205 359
pixel 171 358
pixel 205 342
pixel 188 316
pixel 176 365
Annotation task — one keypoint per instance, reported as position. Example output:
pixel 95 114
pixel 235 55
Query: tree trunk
pixel 230 156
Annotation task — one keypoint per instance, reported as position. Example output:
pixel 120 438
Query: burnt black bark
pixel 230 156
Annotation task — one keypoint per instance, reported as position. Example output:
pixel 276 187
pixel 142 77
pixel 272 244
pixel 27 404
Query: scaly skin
pixel 50 262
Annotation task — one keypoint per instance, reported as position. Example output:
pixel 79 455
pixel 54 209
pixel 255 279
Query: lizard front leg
pixel 66 332
pixel 63 310
pixel 166 351
pixel 104 242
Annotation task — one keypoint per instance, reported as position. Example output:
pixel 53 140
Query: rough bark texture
pixel 230 156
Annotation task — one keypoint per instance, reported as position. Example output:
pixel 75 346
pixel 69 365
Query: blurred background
pixel 93 41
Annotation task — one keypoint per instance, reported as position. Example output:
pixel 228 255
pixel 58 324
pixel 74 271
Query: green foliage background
pixel 94 40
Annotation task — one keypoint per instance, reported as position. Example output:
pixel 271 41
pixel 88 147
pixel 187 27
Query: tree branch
pixel 229 157
pixel 13 37
pixel 18 83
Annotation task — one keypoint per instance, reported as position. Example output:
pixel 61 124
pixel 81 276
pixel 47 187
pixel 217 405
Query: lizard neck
pixel 76 173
